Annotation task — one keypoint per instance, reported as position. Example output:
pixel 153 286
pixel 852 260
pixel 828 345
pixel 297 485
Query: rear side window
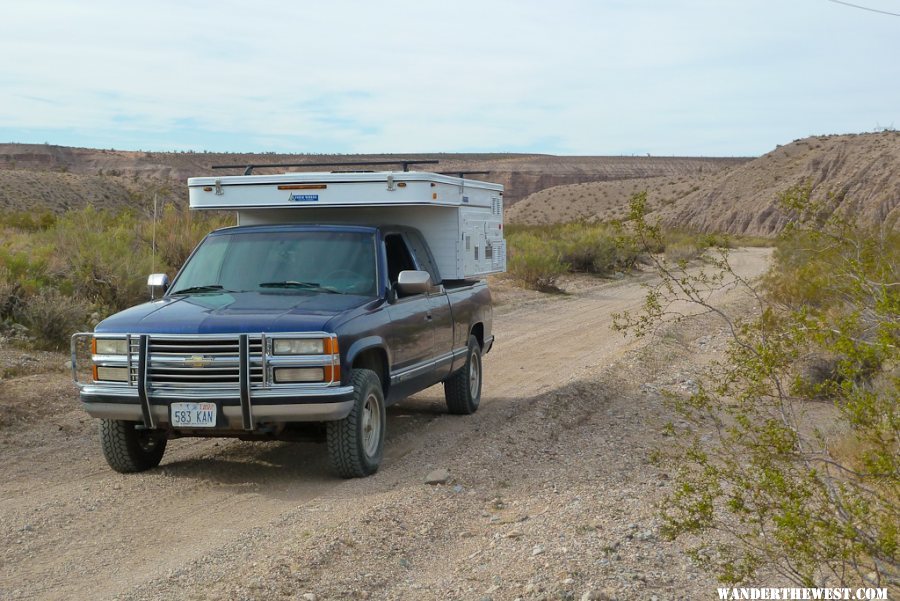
pixel 423 257
pixel 398 256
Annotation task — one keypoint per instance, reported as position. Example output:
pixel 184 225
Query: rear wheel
pixel 128 449
pixel 462 390
pixel 356 443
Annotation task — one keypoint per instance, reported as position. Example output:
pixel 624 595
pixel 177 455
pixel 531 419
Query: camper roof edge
pixel 309 177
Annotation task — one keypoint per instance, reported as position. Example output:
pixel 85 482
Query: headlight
pixel 299 346
pixel 110 346
pixel 299 374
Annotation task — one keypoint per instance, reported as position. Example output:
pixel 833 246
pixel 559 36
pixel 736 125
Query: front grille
pixel 206 362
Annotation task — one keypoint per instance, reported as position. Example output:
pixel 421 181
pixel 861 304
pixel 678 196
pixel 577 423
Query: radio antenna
pixel 153 243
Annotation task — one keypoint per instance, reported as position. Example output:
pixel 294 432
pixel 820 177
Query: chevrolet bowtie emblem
pixel 198 361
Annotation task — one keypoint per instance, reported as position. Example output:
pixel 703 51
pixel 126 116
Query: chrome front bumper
pixel 246 404
pixel 273 406
pixel 307 412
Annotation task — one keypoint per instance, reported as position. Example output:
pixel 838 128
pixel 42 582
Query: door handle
pixel 428 316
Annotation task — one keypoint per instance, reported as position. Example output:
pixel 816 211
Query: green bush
pixel 27 269
pixel 593 248
pixel 534 263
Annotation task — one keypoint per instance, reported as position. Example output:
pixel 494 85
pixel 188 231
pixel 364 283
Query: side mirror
pixel 157 280
pixel 414 282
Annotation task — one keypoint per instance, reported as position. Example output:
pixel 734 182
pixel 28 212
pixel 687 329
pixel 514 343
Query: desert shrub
pixel 535 263
pixel 103 255
pixel 10 297
pixel 583 249
pixel 758 484
pixel 51 317
pixel 578 246
pixel 88 260
pixel 588 248
pixel 28 270
pixel 28 220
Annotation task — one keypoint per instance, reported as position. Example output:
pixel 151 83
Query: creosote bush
pixel 51 317
pixel 532 262
pixel 539 255
pixel 760 484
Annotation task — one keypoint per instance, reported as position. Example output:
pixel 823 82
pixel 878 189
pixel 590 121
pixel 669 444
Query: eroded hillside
pixel 31 172
pixel 859 173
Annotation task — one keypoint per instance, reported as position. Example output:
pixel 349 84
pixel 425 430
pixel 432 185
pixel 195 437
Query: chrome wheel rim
pixel 474 375
pixel 371 425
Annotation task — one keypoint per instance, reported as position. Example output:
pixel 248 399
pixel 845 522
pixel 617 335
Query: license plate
pixel 193 415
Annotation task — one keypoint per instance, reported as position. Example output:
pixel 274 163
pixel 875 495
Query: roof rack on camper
pixel 248 169
pixel 462 174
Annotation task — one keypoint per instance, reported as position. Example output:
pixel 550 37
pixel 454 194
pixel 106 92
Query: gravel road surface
pixel 548 495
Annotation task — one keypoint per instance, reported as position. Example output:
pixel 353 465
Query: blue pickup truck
pixel 286 332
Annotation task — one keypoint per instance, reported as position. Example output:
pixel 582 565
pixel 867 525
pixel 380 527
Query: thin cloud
pixel 579 77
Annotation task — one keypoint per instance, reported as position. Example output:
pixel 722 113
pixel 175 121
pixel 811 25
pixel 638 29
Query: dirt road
pixel 228 519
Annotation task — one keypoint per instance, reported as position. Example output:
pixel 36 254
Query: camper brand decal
pixel 304 198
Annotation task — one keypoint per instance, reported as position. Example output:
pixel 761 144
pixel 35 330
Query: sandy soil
pixel 551 494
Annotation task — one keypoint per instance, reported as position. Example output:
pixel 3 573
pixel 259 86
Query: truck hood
pixel 242 312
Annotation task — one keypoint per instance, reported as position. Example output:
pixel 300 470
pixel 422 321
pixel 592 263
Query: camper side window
pixel 398 257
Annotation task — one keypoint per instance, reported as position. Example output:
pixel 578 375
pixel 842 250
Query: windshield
pixel 281 261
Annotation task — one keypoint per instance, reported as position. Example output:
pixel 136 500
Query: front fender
pixel 365 344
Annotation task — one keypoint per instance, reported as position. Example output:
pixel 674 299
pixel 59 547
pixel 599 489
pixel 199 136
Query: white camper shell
pixel 461 219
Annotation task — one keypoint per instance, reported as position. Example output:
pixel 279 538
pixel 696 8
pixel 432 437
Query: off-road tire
pixel 462 390
pixel 353 452
pixel 127 449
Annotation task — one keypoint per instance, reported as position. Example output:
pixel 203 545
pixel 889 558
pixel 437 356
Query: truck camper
pixel 336 295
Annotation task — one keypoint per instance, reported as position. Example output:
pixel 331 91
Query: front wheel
pixel 462 390
pixel 356 443
pixel 128 449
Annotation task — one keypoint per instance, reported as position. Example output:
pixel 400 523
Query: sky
pixel 572 77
